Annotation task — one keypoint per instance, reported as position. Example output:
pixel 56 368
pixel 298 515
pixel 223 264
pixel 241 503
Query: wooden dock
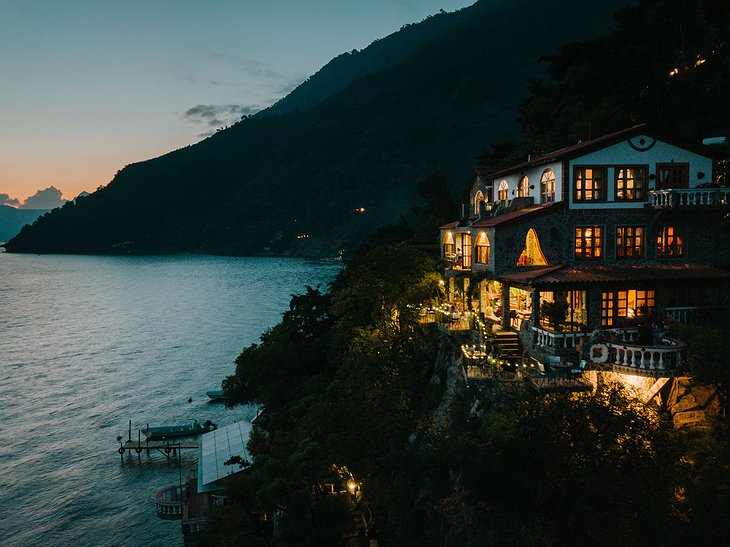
pixel 166 447
pixel 133 445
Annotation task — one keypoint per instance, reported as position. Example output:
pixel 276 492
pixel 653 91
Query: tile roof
pixel 594 273
pixel 600 142
pixel 514 215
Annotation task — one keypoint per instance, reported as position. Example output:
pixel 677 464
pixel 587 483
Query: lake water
pixel 87 343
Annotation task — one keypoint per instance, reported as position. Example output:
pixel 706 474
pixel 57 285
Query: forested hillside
pixel 12 220
pixel 344 152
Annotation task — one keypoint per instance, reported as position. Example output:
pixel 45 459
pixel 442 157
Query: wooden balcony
pixel 689 197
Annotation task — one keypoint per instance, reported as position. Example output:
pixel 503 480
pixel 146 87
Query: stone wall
pixel 688 404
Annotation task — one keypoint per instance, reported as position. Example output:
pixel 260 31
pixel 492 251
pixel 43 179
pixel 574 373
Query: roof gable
pixel 604 141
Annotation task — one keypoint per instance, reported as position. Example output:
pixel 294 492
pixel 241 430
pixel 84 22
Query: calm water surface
pixel 87 343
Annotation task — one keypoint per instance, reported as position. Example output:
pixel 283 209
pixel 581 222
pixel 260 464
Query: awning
pixel 216 448
pixel 615 273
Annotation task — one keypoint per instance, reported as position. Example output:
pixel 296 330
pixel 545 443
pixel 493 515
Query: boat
pixel 215 394
pixel 172 431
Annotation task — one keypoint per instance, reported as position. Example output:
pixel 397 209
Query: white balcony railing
pixel 651 360
pixel 689 197
pixel 556 340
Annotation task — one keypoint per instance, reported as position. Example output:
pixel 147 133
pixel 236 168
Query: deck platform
pixel 131 445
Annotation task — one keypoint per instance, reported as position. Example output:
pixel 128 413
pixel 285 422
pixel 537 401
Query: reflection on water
pixel 87 343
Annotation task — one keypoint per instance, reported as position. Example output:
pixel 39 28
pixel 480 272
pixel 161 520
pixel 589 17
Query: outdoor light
pixel 351 486
pixel 701 175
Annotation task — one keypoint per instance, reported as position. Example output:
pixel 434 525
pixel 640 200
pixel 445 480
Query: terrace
pixel 689 197
pixel 659 360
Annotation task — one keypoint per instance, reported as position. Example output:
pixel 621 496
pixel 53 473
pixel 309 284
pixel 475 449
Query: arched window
pixel 478 199
pixel 449 247
pixel 532 254
pixel 482 248
pixel 547 186
pixel 503 191
pixel 523 189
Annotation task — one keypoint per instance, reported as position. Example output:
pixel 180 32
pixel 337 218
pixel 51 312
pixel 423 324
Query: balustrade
pixel 689 197
pixel 557 340
pixel 664 357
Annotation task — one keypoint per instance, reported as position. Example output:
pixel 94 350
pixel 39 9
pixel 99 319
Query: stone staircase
pixel 509 346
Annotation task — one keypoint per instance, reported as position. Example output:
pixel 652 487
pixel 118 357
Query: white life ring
pixel 602 356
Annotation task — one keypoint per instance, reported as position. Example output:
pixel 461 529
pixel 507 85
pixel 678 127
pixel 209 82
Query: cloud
pixel 50 198
pixel 5 199
pixel 215 115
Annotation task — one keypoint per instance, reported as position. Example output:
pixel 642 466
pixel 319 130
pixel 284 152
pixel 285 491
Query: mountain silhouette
pixel 341 154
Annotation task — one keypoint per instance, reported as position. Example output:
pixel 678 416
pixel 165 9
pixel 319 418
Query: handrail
pixel 652 357
pixel 680 197
pixel 559 340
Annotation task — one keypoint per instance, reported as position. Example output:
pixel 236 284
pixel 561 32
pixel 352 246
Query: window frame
pixel 602 246
pixel 615 309
pixel 503 187
pixel 464 238
pixel 680 231
pixel 477 200
pixel 482 246
pixel 684 166
pixel 601 192
pixel 643 190
pixel 543 183
pixel 523 187
pixel 624 251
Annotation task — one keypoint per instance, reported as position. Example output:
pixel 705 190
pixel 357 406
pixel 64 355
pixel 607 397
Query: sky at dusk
pixel 88 86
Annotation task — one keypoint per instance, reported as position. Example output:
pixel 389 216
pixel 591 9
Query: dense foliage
pixel 341 379
pixel 355 389
pixel 357 135
pixel 667 63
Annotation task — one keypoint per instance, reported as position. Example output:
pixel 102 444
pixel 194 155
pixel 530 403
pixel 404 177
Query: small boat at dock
pixel 172 431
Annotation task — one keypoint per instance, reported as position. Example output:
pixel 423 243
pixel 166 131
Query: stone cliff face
pixel 689 405
pixel 441 503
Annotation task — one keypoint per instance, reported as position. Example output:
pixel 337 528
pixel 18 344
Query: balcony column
pixel 593 311
pixel 505 307
pixel 535 315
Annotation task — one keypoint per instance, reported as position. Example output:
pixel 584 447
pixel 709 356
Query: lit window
pixel 478 198
pixel 532 253
pixel 626 305
pixel 547 186
pixel 589 243
pixel 631 183
pixel 449 247
pixel 523 189
pixel 630 242
pixel 590 183
pixel 670 241
pixel 464 238
pixel 482 248
pixel 503 191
